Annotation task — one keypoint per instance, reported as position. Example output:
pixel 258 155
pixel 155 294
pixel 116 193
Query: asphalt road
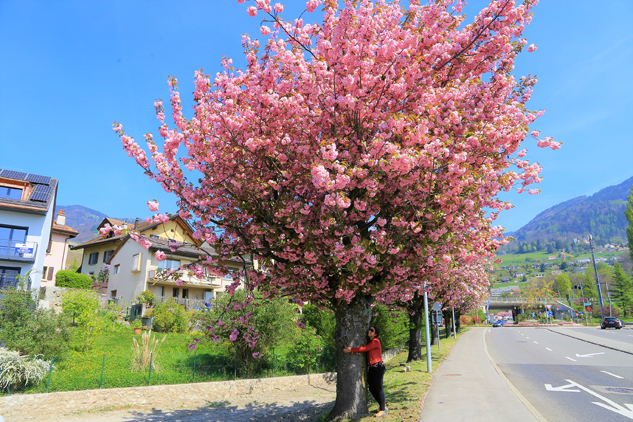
pixel 625 335
pixel 566 379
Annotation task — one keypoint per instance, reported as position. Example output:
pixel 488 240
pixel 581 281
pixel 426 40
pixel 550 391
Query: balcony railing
pixel 189 304
pixel 209 281
pixel 18 250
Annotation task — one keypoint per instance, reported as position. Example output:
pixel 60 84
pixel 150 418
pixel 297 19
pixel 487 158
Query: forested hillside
pixel 601 215
pixel 84 220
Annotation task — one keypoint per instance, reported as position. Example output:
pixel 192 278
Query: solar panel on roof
pixel 39 196
pixel 43 189
pixel 36 179
pixel 10 174
pixel 41 193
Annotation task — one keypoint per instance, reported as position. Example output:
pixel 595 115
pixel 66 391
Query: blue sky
pixel 68 69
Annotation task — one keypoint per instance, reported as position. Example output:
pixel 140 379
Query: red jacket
pixel 373 350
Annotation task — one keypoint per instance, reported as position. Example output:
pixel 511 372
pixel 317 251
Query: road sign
pixel 588 308
pixel 549 307
pixel 549 313
pixel 437 306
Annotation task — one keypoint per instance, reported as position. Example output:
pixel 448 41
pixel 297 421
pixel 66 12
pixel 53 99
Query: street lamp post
pixel 427 331
pixel 595 269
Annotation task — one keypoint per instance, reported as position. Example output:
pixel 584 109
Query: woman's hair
pixel 376 330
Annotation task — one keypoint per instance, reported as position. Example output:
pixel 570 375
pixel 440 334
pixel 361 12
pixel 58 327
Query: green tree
pixel 542 268
pixel 620 290
pixel 30 330
pixel 629 216
pixel 563 284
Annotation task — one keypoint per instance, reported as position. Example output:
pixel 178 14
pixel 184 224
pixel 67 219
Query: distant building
pixel 57 251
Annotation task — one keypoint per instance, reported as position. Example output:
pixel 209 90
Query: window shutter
pixel 51 270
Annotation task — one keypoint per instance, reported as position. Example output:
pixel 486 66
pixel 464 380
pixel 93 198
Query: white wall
pixel 39 232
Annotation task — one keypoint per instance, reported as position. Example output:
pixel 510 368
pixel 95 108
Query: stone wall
pixel 160 396
pixel 387 355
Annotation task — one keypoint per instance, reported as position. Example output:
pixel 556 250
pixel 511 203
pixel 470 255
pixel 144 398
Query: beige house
pixel 134 269
pixel 98 251
pixel 57 250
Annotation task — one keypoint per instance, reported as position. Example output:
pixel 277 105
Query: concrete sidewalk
pixel 468 388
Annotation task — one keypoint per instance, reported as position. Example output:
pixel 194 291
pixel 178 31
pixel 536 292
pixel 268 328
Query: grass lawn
pixel 538 257
pixel 174 364
pixel 405 391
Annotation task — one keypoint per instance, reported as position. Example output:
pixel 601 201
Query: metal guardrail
pixel 18 250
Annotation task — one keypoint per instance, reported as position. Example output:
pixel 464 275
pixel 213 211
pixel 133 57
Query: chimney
pixel 135 224
pixel 61 218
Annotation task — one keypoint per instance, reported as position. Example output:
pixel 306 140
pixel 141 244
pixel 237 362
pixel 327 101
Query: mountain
pixel 601 215
pixel 84 220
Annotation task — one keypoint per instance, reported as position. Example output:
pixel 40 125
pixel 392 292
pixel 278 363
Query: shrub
pixel 170 317
pixel 146 297
pixel 18 371
pixel 272 319
pixel 73 280
pixel 29 330
pixel 463 320
pixel 306 348
pixel 475 319
pixel 393 326
pixel 83 307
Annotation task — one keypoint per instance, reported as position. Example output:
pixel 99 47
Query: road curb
pixel 591 342
pixel 512 388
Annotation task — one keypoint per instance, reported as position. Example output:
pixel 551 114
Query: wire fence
pixel 112 371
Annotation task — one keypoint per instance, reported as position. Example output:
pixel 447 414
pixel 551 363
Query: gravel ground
pixel 282 406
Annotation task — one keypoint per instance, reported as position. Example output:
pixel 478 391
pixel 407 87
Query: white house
pixel 27 204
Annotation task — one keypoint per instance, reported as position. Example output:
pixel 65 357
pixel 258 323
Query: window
pixel 10 193
pixel 107 254
pixel 9 277
pixel 13 233
pixel 92 275
pixel 94 257
pixel 185 293
pixel 171 263
pixel 116 269
pixel 112 293
pixel 176 292
pixel 154 236
pixel 136 262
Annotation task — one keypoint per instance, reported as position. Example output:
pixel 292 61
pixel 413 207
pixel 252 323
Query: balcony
pixel 15 250
pixel 212 282
pixel 189 304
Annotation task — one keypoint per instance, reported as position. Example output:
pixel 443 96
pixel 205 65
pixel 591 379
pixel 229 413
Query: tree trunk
pixel 434 329
pixel 458 323
pixel 415 335
pixel 448 315
pixel 352 323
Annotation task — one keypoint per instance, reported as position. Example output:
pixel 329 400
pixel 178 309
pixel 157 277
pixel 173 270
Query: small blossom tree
pixel 353 153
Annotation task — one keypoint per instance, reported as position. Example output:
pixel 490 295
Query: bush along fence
pixel 112 371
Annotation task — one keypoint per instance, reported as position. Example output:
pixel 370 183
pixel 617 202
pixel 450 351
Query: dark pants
pixel 376 373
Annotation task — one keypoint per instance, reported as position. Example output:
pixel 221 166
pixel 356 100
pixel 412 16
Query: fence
pixel 110 371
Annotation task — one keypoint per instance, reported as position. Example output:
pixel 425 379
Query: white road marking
pixel 614 407
pixel 488 329
pixel 527 338
pixel 589 355
pixel 548 349
pixel 613 375
pixel 536 342
pixel 564 388
pixel 567 357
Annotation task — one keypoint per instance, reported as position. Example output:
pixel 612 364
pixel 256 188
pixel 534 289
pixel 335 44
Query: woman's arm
pixel 372 345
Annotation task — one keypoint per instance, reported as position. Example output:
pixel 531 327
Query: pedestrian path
pixel 589 335
pixel 468 388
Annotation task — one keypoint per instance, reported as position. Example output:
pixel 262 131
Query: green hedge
pixel 67 278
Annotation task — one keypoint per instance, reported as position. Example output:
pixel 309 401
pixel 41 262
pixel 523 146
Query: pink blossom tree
pixel 353 153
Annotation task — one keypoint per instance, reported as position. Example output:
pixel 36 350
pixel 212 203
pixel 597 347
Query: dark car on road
pixel 611 322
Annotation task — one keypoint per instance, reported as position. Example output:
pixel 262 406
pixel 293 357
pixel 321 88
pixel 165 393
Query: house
pixel 57 251
pixel 97 251
pixel 505 279
pixel 134 269
pixel 519 275
pixel 27 204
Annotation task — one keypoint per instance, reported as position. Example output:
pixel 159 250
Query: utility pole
pixel 595 269
pixel 427 331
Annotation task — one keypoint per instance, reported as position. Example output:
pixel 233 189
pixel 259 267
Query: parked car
pixel 611 322
pixel 499 323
